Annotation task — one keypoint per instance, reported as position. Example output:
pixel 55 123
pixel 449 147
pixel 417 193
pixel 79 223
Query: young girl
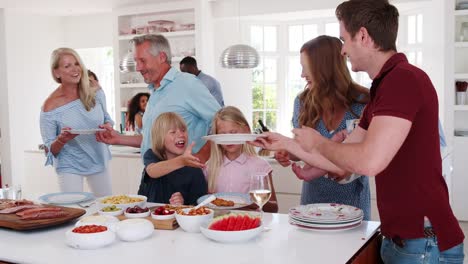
pixel 230 166
pixel 136 109
pixel 172 174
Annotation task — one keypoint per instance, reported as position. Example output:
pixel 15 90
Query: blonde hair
pixel 165 122
pixel 232 114
pixel 332 87
pixel 86 93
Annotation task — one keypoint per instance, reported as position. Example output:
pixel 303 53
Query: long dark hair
pixel 134 108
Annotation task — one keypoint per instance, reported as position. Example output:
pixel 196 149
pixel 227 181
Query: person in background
pixel 189 65
pixel 230 166
pixel 330 99
pixel 136 108
pixel 172 91
pixel 172 174
pixel 92 76
pixel 396 141
pixel 77 103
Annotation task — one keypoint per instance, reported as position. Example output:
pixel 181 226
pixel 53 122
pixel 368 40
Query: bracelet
pixel 58 140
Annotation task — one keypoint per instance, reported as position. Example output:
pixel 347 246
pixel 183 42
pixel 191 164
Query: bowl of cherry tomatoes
pixel 163 213
pixel 89 237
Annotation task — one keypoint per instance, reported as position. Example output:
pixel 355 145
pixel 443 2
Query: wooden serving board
pixel 13 221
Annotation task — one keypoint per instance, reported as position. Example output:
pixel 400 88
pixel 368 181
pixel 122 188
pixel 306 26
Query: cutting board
pixel 13 221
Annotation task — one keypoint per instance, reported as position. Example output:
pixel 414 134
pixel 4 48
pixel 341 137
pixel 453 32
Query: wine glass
pixel 260 190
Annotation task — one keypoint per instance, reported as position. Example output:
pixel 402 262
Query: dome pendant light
pixel 128 64
pixel 239 56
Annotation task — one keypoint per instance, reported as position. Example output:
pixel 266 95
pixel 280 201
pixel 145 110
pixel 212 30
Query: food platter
pixel 232 139
pixel 240 200
pixel 13 221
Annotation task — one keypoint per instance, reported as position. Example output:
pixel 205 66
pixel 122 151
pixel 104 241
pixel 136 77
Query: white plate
pixel 232 139
pixel 306 221
pixel 230 236
pixel 85 131
pixel 324 226
pixel 66 197
pixel 326 212
pixel 338 229
pixel 239 199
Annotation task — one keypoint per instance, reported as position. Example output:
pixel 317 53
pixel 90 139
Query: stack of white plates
pixel 325 217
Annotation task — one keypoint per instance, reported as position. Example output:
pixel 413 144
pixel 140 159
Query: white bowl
pixel 105 220
pixel 89 241
pixel 122 204
pixel 230 236
pixel 163 217
pixel 192 223
pixel 137 215
pixel 111 213
pixel 134 229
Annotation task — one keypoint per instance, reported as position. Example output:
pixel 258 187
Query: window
pixel 411 39
pixel 265 76
pixel 277 80
pixel 101 62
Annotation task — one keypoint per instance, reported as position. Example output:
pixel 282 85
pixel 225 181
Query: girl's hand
pixel 282 156
pixel 190 160
pixel 176 199
pixel 272 141
pixel 65 135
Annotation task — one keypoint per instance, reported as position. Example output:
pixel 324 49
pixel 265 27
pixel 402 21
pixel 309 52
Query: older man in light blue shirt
pixel 189 65
pixel 171 91
pixel 185 95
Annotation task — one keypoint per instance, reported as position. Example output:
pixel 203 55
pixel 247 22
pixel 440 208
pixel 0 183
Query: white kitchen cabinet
pixel 175 20
pixel 456 116
pixel 125 171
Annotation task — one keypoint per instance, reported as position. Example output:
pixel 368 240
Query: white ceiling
pixel 73 7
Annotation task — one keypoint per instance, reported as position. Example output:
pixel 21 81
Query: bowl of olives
pixel 137 212
pixel 111 210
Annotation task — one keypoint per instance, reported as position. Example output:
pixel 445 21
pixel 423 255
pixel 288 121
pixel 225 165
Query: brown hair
pixel 165 122
pixel 332 87
pixel 379 17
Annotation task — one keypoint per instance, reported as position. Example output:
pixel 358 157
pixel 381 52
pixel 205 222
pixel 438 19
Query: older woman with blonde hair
pixel 67 118
pixel 330 99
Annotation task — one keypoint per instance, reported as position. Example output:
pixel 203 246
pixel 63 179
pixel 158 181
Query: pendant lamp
pixel 239 56
pixel 128 64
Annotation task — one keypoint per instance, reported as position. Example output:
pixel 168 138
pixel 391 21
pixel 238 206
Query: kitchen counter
pixel 282 243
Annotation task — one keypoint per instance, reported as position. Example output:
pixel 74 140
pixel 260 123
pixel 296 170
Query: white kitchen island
pixel 282 243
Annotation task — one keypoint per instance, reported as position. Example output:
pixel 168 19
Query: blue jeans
pixel 420 250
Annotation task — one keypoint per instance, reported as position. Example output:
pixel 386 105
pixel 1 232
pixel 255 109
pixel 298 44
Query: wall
pixel 89 31
pixel 4 117
pixel 29 40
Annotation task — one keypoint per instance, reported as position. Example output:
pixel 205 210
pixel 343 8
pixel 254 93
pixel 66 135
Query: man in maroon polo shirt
pixel 397 141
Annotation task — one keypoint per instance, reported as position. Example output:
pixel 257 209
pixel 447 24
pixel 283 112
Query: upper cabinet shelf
pixel 166 34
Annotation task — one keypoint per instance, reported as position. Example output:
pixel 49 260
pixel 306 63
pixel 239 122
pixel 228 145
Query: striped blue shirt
pixel 82 155
pixel 185 95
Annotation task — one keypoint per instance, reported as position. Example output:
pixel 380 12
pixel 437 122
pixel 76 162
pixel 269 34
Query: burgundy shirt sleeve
pixel 397 98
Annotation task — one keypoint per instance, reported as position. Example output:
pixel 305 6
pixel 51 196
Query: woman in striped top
pixel 76 104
